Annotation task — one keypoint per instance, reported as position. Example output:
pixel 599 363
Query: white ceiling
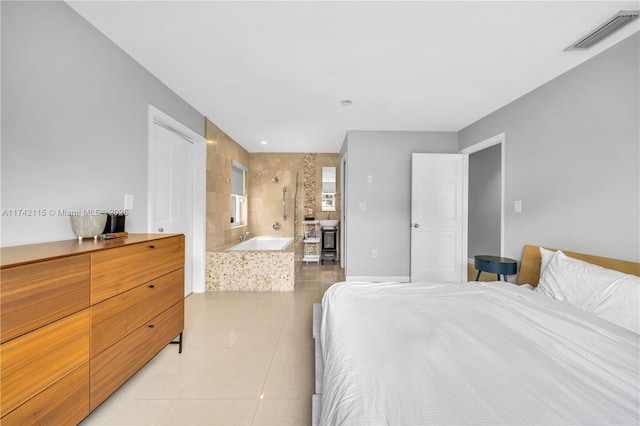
pixel 277 71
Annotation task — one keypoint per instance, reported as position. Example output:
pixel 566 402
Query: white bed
pixel 470 353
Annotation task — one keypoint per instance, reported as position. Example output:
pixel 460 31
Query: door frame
pixel 343 212
pixel 488 143
pixel 198 211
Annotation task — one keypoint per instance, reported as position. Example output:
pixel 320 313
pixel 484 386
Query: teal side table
pixel 495 265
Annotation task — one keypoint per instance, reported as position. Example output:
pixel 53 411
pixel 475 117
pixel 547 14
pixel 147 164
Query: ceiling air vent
pixel 617 22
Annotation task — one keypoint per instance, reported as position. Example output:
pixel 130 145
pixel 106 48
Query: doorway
pixel 343 209
pixel 486 197
pixel 176 190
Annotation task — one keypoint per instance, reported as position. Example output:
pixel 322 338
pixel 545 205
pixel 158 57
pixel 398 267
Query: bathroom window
pixel 238 197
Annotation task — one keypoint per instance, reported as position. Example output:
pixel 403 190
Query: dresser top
pixel 19 255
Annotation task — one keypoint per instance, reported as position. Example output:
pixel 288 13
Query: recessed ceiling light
pixel 263 142
pixel 346 102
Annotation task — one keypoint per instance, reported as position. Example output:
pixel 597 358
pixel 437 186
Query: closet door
pixel 171 190
pixel 439 217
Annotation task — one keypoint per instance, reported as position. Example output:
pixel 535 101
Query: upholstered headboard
pixel 531 259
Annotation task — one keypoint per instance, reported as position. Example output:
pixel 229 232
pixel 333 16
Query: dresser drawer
pixel 119 269
pixel 38 293
pixel 32 362
pixel 118 316
pixel 111 368
pixel 64 403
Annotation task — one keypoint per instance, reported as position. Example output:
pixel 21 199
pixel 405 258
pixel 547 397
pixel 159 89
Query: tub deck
pixel 253 270
pixel 263 243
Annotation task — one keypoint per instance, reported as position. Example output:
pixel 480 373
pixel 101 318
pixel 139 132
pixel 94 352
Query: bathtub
pixel 263 243
pixel 260 264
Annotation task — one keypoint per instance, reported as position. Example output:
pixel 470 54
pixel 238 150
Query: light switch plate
pixel 128 201
pixel 517 206
pixel 362 206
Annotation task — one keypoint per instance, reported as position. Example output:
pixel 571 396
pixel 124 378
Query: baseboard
pixel 400 279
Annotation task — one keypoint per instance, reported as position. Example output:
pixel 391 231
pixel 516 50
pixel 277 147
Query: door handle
pixel 416 225
pixel 161 230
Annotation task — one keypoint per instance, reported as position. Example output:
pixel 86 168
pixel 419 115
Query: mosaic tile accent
pixel 252 270
pixel 309 185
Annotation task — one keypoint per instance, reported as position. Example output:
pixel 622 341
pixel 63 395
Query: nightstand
pixel 495 265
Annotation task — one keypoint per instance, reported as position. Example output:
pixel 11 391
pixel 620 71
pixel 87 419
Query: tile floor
pixel 247 359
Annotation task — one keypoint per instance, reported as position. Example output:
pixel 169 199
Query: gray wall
pixel 74 121
pixel 484 201
pixel 572 157
pixel 385 225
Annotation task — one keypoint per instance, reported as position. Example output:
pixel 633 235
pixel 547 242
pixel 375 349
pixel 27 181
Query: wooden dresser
pixel 79 318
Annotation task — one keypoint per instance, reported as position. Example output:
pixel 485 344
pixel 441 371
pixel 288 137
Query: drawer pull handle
pixel 150 325
pixel 152 246
pixel 152 286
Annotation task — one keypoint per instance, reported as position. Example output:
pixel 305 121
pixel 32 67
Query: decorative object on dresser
pixel 115 223
pixel 88 226
pixel 79 319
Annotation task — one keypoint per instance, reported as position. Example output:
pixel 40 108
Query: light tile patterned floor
pixel 247 359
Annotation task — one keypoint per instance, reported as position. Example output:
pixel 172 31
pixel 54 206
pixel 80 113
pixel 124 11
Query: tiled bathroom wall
pixel 221 149
pixel 265 196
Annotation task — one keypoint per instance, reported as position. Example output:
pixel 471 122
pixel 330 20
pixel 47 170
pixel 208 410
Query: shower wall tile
pixel 221 149
pixel 268 194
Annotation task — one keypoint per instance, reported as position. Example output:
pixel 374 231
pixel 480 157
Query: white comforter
pixel 472 353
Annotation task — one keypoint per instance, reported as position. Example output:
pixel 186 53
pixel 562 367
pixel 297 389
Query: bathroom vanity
pixel 79 318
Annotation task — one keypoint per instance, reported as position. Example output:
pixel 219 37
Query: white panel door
pixel 172 190
pixel 439 217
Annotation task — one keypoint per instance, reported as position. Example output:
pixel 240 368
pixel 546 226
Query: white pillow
pixel 548 286
pixel 546 256
pixel 620 303
pixel 609 294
